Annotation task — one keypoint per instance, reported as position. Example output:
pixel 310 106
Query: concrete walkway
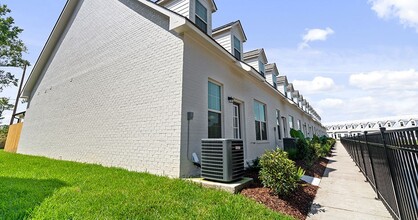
pixel 343 192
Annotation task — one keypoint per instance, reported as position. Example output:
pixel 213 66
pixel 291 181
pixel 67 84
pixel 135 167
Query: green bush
pixel 293 154
pixel 305 147
pixel 3 135
pixel 309 150
pixel 279 173
pixel 254 165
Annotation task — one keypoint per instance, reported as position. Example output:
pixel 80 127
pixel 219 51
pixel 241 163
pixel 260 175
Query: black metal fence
pixel 389 161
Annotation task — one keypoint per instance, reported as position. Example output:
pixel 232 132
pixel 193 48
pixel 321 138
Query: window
pixel 274 81
pixel 370 125
pixel 236 122
pixel 291 122
pixel 214 111
pixel 284 127
pixel 389 125
pixel 285 88
pixel 201 18
pixel 402 124
pixel 380 125
pixel 299 125
pixel 361 126
pixel 261 68
pixel 237 48
pixel 260 121
pixel 279 133
pixel 413 123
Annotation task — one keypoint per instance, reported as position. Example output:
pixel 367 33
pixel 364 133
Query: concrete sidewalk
pixel 343 192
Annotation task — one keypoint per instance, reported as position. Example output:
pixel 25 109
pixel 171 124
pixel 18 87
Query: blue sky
pixel 353 59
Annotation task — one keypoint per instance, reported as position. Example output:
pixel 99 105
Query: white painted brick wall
pixel 111 94
pixel 200 66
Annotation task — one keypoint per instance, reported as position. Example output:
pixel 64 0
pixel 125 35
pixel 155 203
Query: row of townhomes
pixel 138 84
pixel 356 128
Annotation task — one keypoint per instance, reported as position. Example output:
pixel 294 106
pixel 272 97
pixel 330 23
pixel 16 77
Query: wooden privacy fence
pixel 389 161
pixel 13 137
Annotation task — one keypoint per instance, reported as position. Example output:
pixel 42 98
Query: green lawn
pixel 41 188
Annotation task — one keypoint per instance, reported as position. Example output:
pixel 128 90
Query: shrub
pixel 3 135
pixel 278 172
pixel 254 165
pixel 293 154
pixel 305 147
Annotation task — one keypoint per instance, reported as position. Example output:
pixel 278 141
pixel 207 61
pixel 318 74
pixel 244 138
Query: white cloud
pixel 330 103
pixel 318 84
pixel 315 35
pixel 394 80
pixel 395 92
pixel 405 10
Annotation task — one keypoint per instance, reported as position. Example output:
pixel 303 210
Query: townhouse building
pixel 138 84
pixel 358 127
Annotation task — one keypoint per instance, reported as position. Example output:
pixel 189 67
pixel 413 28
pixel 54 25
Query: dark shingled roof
pixel 224 26
pixel 229 25
pixel 252 53
pixel 270 67
pixel 281 79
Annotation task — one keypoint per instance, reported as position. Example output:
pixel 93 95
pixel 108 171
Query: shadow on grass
pixel 20 196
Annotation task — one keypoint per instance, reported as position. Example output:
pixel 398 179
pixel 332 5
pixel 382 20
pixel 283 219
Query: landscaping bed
pixel 298 203
pixel 318 168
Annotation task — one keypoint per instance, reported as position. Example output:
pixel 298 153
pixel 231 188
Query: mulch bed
pixel 297 204
pixel 316 170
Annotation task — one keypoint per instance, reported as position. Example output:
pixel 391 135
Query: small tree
pixel 11 50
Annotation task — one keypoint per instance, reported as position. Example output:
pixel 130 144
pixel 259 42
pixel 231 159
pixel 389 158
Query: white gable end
pixel 181 7
pixel 187 8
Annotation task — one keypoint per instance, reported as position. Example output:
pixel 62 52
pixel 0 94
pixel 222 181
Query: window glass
pixel 237 43
pixel 214 125
pixel 291 122
pixel 214 111
pixel 201 18
pixel 237 48
pixel 279 133
pixel 201 11
pixel 274 80
pixel 214 99
pixel 261 67
pixel 260 121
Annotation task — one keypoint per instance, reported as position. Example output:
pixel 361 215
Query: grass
pixel 41 188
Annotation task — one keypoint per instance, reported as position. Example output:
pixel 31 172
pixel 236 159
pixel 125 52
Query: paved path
pixel 344 194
